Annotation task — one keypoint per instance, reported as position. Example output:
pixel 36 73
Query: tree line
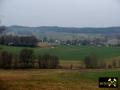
pixel 92 61
pixel 18 40
pixel 27 60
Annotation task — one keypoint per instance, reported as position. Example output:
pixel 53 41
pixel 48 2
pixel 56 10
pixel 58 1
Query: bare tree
pixel 6 60
pixel 91 61
pixel 26 58
pixel 48 61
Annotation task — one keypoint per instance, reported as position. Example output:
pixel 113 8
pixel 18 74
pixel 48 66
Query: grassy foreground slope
pixel 53 79
pixel 71 52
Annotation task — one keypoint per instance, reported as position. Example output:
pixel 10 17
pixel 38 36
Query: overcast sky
pixel 68 13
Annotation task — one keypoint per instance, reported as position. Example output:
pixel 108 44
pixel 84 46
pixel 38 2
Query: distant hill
pixel 2 29
pixel 54 30
pixel 106 30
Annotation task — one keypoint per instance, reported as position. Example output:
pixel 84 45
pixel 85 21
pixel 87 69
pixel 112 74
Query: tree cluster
pixel 48 61
pixel 5 60
pixel 91 61
pixel 27 60
pixel 18 40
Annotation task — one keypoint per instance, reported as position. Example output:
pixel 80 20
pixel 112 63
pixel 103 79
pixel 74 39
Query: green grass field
pixel 50 79
pixel 71 52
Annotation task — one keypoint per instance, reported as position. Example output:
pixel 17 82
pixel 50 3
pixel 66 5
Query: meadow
pixel 51 79
pixel 60 79
pixel 75 53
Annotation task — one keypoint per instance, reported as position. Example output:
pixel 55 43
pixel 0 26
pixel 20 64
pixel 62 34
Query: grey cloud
pixel 73 13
